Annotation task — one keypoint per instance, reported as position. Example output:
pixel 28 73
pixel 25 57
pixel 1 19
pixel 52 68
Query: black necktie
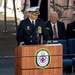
pixel 33 22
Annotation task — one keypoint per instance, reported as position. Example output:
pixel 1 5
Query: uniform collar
pixel 32 20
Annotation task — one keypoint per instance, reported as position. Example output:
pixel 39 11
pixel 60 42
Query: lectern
pixel 38 60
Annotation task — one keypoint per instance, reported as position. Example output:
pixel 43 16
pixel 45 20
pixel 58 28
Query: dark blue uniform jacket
pixel 31 34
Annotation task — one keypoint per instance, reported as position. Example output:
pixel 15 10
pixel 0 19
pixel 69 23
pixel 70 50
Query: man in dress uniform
pixel 31 29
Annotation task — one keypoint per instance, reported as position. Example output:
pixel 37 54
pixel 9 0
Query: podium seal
pixel 42 58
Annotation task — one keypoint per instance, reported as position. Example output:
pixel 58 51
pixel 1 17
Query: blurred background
pixel 12 11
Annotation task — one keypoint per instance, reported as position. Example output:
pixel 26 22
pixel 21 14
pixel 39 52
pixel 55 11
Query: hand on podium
pixel 48 42
pixel 21 43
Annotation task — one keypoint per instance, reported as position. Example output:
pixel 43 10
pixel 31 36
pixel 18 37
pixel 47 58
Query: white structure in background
pixel 19 4
pixel 9 7
pixel 2 6
pixel 24 14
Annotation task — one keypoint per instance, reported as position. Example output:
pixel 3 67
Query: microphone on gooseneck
pixel 37 35
pixel 38 32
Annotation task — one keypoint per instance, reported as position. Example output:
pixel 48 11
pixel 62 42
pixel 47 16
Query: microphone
pixel 39 30
pixel 37 35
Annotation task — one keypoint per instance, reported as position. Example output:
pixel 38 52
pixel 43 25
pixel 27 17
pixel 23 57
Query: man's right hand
pixel 21 43
pixel 48 42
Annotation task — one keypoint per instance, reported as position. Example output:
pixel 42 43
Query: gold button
pixel 30 40
pixel 31 36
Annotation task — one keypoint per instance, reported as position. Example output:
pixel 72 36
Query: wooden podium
pixel 39 60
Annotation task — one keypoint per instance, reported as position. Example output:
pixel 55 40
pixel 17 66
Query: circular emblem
pixel 42 58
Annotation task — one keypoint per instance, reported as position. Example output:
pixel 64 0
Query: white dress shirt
pixel 32 20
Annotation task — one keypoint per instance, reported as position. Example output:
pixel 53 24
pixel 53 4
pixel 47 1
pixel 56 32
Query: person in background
pixel 71 29
pixel 55 28
pixel 31 29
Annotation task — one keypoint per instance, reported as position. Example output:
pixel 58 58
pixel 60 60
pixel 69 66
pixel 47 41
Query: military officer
pixel 31 29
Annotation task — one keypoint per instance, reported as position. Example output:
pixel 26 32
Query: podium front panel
pixel 26 59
